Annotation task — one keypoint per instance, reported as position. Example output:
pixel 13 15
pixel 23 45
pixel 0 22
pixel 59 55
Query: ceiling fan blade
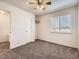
pixel 44 9
pixel 48 3
pixel 41 1
pixel 35 8
pixel 31 3
pixel 38 1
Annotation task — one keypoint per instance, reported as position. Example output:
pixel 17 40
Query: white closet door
pixel 4 27
pixel 30 21
pixel 17 31
pixel 21 29
pixel 28 28
pixel 33 27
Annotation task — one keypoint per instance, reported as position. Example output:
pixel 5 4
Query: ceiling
pixel 56 5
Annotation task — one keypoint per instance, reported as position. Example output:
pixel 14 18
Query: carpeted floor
pixel 40 50
pixel 4 46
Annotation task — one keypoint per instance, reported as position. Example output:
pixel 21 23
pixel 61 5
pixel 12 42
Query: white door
pixel 28 28
pixel 4 27
pixel 21 29
pixel 17 31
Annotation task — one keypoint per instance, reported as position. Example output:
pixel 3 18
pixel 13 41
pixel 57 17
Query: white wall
pixel 4 27
pixel 21 22
pixel 59 38
pixel 36 28
pixel 78 26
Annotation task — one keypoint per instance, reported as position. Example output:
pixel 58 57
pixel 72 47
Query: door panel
pixel 17 31
pixel 28 28
pixel 21 29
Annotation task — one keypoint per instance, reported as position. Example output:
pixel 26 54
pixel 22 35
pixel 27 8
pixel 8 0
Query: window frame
pixel 60 26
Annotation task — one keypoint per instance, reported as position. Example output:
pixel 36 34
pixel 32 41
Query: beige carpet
pixel 4 46
pixel 41 50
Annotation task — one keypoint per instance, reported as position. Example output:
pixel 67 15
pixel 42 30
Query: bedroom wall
pixel 36 28
pixel 4 27
pixel 78 26
pixel 44 31
pixel 21 22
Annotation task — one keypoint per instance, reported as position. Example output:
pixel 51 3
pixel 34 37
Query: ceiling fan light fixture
pixel 40 7
pixel 40 4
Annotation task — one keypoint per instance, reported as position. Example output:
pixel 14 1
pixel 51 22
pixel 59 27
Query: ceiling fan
pixel 40 4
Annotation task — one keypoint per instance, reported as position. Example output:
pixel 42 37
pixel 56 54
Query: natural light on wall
pixel 2 12
pixel 62 24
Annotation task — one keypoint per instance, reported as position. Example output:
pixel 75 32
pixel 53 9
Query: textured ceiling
pixel 56 5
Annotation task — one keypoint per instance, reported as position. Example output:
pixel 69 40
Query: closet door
pixel 21 29
pixel 78 27
pixel 30 26
pixel 18 37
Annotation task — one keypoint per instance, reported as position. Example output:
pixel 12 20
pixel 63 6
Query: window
pixel 62 24
pixel 55 24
